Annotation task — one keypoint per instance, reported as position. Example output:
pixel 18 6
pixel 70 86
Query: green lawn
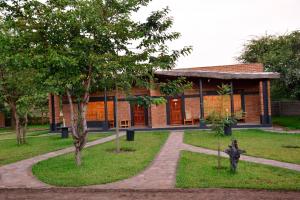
pixel 11 152
pixel 259 143
pixel 33 130
pixel 199 171
pixel 289 122
pixel 100 163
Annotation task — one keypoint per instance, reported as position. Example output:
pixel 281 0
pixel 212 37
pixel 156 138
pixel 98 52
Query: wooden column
pixel 106 124
pixel 202 121
pixel 53 122
pixel 182 108
pixel 231 99
pixel 168 111
pixel 265 118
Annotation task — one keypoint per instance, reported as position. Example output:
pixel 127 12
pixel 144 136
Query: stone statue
pixel 234 154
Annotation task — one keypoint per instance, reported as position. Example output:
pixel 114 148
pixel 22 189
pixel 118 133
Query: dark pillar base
pixel 105 126
pixel 265 119
pixel 202 123
pixel 54 127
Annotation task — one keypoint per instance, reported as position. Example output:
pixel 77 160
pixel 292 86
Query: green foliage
pixel 280 54
pixel 105 45
pixel 175 87
pixel 146 101
pixel 20 81
pixel 288 122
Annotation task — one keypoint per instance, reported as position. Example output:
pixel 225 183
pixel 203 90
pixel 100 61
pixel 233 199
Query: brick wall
pixel 192 107
pixel 2 120
pixel 124 110
pixel 252 108
pixel 253 67
pixel 158 116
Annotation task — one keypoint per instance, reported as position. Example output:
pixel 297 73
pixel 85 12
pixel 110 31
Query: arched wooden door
pixel 175 111
pixel 139 115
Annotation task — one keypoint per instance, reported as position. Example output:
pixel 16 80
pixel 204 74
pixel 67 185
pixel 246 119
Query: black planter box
pixel 130 135
pixel 64 132
pixel 227 130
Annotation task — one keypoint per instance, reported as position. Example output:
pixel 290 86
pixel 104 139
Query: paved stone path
pixel 282 130
pixel 19 174
pixel 264 161
pixel 161 174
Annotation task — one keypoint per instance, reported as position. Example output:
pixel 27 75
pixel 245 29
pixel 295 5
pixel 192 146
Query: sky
pixel 218 29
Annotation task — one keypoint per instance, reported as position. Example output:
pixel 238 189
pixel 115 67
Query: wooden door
pixel 175 112
pixel 139 115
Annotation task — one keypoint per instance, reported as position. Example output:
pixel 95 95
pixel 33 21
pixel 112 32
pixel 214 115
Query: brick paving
pixel 279 129
pixel 161 174
pixel 19 174
pixel 264 161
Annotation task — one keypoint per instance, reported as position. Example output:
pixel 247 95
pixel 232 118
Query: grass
pixel 199 171
pixel 289 122
pixel 11 152
pixel 32 130
pixel 101 164
pixel 259 143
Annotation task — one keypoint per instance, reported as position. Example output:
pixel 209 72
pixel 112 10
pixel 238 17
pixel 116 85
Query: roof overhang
pixel 219 75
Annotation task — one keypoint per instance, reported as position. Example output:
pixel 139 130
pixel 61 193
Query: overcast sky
pixel 217 29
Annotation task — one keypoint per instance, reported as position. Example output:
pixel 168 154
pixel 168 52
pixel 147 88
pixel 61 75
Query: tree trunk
pixel 23 128
pixel 16 120
pixel 78 156
pixel 79 128
pixel 117 125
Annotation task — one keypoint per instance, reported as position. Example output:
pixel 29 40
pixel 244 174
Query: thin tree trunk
pixel 78 123
pixel 117 125
pixel 16 119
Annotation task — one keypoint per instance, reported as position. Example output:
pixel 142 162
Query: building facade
pixel 250 95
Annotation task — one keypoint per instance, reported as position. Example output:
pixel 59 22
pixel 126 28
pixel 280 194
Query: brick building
pixel 250 94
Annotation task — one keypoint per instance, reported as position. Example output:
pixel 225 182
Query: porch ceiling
pixel 220 75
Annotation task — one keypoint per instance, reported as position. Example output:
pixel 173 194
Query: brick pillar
pixel 54 111
pixel 2 120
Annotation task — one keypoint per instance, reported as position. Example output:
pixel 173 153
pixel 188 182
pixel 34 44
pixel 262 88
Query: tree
pixel 92 44
pixel 18 78
pixel 220 117
pixel 280 54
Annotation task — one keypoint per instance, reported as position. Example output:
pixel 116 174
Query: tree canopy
pixel 19 79
pixel 280 54
pixel 88 45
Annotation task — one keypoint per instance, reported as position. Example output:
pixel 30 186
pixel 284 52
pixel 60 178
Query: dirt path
pixel 175 194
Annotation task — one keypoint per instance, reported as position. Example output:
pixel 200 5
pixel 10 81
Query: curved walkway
pixel 264 161
pixel 161 174
pixel 19 174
